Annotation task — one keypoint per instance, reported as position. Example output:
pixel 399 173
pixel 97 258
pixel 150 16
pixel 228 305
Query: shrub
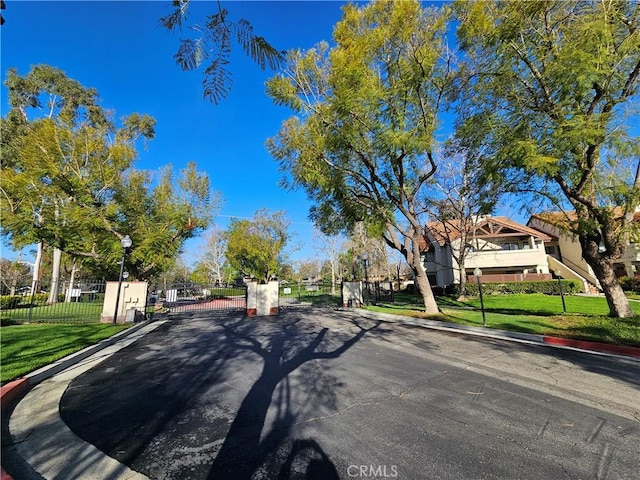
pixel 7 302
pixel 548 287
pixel 630 284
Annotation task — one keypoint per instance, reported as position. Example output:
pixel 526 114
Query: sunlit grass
pixel 539 314
pixel 25 348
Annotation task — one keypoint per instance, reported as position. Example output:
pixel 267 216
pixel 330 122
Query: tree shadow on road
pixel 164 406
pixel 245 450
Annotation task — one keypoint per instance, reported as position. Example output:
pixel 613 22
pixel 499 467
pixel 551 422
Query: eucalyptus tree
pixel 549 92
pixel 68 180
pixel 43 103
pixel 362 140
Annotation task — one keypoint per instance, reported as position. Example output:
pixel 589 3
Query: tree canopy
pixel 362 141
pixel 68 179
pixel 548 92
pixel 256 247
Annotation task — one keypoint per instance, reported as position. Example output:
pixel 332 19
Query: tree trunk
pixel 462 287
pixel 420 275
pixel 603 268
pixel 72 279
pixel 36 269
pixel 333 278
pixel 55 276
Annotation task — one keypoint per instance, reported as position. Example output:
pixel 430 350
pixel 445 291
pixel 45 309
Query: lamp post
pixel 365 260
pixel 126 243
pixel 558 276
pixel 478 273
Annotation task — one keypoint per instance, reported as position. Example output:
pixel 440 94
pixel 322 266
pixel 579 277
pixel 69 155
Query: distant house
pixel 505 251
pixel 566 253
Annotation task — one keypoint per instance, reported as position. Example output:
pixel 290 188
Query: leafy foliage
pixel 549 287
pixel 214 45
pixel 362 141
pixel 255 247
pixel 68 180
pixel 548 91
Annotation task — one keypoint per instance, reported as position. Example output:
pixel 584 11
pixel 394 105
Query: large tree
pixel 549 91
pixel 47 110
pixel 362 141
pixel 455 203
pixel 68 180
pixel 255 247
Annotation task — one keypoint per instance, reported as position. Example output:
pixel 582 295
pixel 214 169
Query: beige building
pixel 505 251
pixel 566 253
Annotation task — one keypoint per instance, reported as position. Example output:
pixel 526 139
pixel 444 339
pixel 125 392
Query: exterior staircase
pixel 589 285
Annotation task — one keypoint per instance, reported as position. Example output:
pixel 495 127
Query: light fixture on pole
pixel 126 243
pixel 365 261
pixel 478 273
pixel 559 277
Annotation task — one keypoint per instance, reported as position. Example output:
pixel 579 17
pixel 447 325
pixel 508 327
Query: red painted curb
pixel 597 346
pixel 8 393
pixel 4 475
pixel 11 390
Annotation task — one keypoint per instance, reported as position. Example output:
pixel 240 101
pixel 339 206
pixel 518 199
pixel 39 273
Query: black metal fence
pixel 198 297
pixel 305 294
pixel 78 303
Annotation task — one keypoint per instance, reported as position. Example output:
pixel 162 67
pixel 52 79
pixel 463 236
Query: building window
pixel 550 249
pixel 510 246
pixel 430 256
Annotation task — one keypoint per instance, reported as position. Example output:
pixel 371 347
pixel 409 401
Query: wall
pixel 132 295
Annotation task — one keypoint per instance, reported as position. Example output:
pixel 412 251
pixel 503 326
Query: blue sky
pixel 119 48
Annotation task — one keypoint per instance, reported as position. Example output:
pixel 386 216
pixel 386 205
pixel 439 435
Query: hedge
pixel 630 284
pixel 7 302
pixel 548 287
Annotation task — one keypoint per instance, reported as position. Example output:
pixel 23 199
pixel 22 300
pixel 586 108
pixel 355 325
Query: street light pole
pixel 126 243
pixel 365 260
pixel 478 273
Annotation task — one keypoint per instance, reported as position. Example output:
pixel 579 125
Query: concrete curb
pixel 14 389
pixel 596 348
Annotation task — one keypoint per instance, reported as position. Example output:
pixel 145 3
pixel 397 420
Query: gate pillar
pixel 262 299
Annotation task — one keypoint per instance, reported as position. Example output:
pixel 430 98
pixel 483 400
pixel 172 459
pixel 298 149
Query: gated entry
pixel 194 297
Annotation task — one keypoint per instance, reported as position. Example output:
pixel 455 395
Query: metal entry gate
pixel 194 297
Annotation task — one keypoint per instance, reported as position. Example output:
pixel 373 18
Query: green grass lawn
pixel 541 314
pixel 81 312
pixel 25 348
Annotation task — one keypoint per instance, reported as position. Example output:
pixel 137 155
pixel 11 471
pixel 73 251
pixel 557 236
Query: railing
pixel 511 277
pixel 79 303
pixel 199 297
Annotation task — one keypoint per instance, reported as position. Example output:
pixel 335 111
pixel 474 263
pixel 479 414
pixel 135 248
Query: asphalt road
pixel 322 395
